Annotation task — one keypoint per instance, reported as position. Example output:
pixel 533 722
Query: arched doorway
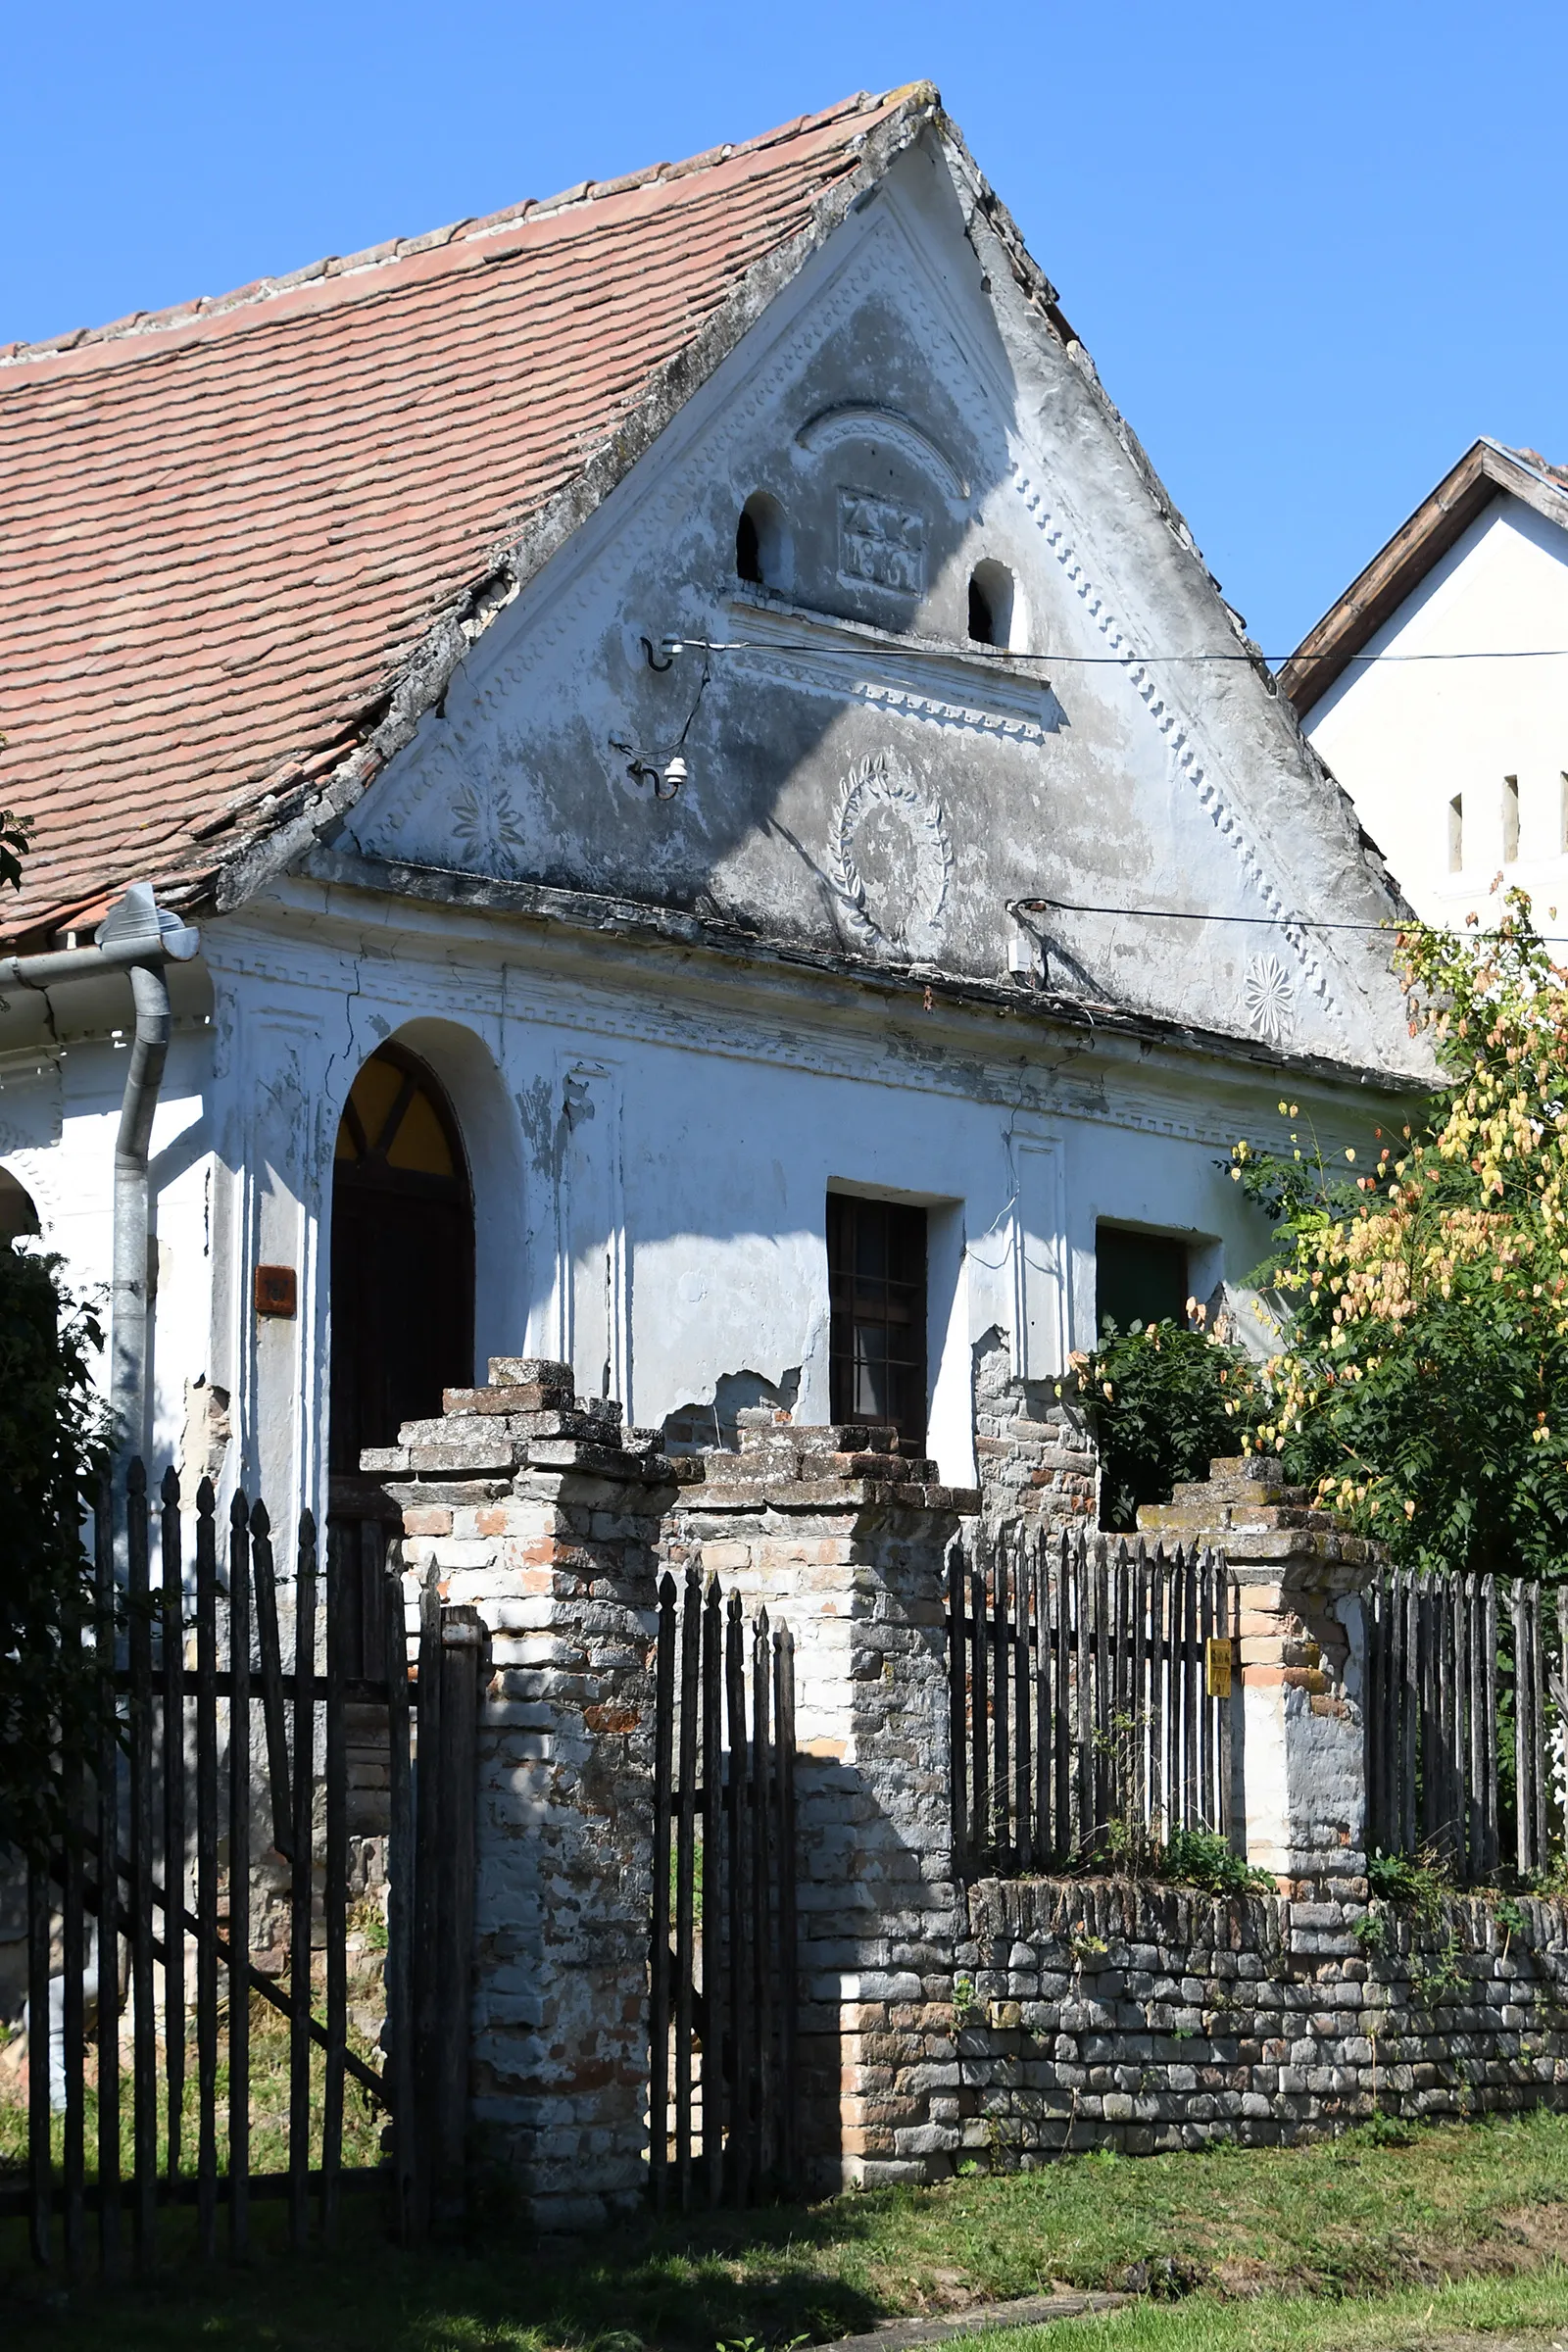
pixel 402 1256
pixel 401 1309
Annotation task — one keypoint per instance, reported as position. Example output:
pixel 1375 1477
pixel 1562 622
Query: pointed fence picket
pixel 177 1778
pixel 723 2076
pixel 1090 1692
pixel 1466 1707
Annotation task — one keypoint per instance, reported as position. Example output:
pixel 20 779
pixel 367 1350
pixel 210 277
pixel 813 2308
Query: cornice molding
pixel 835 983
pixel 529 982
pixel 916 678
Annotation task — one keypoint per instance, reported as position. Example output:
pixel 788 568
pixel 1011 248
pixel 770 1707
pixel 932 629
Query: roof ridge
pixel 1557 475
pixel 396 249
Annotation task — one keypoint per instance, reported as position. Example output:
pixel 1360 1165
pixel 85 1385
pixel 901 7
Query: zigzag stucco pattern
pixel 1178 731
pixel 720 420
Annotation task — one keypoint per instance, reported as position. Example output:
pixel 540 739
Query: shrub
pixel 1203 1858
pixel 1422 1384
pixel 53 1443
pixel 1419 1883
pixel 1163 1398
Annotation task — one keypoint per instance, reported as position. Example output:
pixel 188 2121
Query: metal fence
pixel 1090 1686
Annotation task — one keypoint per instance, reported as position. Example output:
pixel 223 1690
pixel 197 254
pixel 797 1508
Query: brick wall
pixel 544 1514
pixel 837 1534
pixel 940 2022
pixel 1034 1454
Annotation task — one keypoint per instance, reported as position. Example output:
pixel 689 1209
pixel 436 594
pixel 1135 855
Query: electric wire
pixel 1129 660
pixel 1391 924
pixel 674 645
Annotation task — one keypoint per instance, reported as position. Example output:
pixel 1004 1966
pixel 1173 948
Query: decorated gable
pixel 889 648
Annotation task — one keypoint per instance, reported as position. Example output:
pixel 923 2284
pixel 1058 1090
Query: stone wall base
pixel 1102 2014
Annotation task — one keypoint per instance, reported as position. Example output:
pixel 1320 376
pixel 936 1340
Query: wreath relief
pixel 889 856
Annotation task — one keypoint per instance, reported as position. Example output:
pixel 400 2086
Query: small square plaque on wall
pixel 276 1291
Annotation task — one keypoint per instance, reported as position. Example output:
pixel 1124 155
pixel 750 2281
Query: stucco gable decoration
pixel 1180 730
pixel 852 663
pixel 1268 994
pixel 890 856
pixel 857 420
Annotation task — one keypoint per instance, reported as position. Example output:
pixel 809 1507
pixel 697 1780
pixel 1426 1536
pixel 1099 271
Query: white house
pixel 675 710
pixel 1435 688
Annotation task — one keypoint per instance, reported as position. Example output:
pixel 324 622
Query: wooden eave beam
pixel 1482 474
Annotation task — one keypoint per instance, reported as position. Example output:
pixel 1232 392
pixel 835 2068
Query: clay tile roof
pixel 229 531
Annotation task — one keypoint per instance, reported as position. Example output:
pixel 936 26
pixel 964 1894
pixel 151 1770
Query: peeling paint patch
pixel 706 1427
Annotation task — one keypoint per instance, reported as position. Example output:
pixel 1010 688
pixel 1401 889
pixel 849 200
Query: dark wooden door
pixel 402 1257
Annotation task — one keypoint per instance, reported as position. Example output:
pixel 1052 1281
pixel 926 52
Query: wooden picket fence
pixel 1465 1703
pixel 184 1665
pixel 1090 1686
pixel 723 2074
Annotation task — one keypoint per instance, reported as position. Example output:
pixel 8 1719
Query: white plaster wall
pixel 1404 737
pixel 715 1136
pixel 682 1201
pixel 59 1116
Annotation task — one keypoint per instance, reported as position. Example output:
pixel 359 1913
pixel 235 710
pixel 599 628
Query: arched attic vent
pixel 763 554
pixel 992 604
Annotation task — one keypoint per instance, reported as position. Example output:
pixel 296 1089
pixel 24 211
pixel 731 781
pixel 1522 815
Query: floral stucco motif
pixel 1268 992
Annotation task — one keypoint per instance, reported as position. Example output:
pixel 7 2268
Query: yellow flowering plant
pixel 1422 1384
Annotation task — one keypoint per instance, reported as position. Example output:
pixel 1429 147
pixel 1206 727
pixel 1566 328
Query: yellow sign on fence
pixel 1217 1669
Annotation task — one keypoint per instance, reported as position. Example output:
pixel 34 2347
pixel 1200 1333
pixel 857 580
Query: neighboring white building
pixel 1457 763
pixel 818 1017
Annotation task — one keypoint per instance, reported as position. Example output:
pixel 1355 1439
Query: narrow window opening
pixel 1510 819
pixel 1139 1278
pixel 876 1257
pixel 991 604
pixel 761 543
pixel 1456 833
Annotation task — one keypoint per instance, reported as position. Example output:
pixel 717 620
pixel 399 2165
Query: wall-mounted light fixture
pixel 1027 967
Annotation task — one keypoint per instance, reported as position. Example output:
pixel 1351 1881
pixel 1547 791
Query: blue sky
pixel 1314 252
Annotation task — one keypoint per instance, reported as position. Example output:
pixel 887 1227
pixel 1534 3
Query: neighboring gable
pixel 1458 764
pixel 859 778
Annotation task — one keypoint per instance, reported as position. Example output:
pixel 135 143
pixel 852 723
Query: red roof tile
pixel 226 529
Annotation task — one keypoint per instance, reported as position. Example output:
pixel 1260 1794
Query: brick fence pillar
pixel 543 1516
pixel 837 1534
pixel 1300 1784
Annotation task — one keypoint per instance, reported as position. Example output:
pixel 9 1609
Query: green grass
pixel 1463 2317
pixel 1326 2245
pixel 268 2104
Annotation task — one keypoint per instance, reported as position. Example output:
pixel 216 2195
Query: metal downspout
pixel 140 937
pixel 128 1286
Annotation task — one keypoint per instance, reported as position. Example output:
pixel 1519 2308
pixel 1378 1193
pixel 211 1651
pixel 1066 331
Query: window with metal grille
pixel 876 1251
